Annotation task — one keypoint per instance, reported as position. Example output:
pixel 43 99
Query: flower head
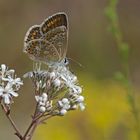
pixel 57 90
pixel 9 84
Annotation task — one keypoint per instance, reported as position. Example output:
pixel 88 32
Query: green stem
pixel 123 48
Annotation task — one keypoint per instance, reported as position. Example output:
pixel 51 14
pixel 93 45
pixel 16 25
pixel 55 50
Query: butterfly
pixel 48 41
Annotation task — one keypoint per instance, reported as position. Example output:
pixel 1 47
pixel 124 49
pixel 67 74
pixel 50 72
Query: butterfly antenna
pixel 76 62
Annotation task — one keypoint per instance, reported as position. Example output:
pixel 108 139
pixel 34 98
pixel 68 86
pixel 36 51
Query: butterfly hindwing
pixel 33 33
pixel 58 38
pixel 40 50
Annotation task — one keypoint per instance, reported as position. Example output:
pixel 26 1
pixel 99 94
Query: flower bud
pixel 42 109
pixel 74 79
pixel 63 111
pixel 80 99
pixel 77 89
pixel 74 107
pixel 57 82
pixel 65 100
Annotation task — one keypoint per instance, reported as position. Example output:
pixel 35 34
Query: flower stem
pixel 17 132
pixel 33 122
pixel 123 48
pixel 131 101
pixel 28 130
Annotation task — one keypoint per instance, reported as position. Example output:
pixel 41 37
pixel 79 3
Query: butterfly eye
pixel 66 61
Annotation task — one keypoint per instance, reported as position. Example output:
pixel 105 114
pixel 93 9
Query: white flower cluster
pixel 9 84
pixel 72 99
pixel 57 90
pixel 43 103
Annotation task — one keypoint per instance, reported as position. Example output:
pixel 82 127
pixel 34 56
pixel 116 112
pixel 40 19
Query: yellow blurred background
pixel 107 115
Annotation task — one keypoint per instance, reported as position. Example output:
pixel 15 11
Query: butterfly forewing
pixel 48 42
pixel 54 21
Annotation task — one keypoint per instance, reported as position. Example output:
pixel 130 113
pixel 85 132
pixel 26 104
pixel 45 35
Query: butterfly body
pixel 47 42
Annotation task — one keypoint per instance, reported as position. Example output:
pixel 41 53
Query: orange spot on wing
pixel 34 33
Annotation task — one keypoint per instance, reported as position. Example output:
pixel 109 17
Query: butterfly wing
pixel 41 50
pixel 32 34
pixel 56 20
pixel 48 42
pixel 55 31
pixel 58 39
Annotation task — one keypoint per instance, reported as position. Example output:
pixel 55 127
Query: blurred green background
pixel 107 115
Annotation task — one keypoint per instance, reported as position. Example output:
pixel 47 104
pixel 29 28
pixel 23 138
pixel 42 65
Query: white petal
pixel 82 106
pixel 44 85
pixel 1 89
pixel 63 77
pixel 5 79
pixel 37 98
pixel 8 87
pixel 3 67
pixel 18 81
pixel 11 71
pixel 1 93
pixel 28 74
pixel 6 99
pixel 13 93
pixel 60 103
